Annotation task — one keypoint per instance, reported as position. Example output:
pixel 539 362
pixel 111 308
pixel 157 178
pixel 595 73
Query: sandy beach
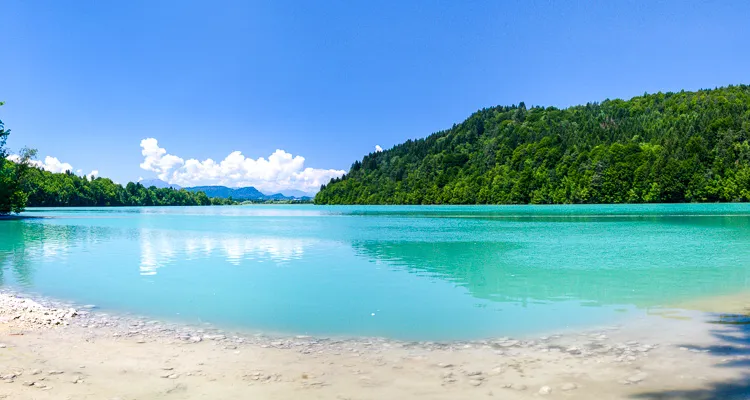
pixel 50 351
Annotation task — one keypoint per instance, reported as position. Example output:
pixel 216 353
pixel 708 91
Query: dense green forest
pixel 663 147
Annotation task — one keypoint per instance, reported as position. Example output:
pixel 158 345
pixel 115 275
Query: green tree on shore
pixel 12 175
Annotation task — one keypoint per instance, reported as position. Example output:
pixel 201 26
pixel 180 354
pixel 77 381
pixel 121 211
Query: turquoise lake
pixel 427 273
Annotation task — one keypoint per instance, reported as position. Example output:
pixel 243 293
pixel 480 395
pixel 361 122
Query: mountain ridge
pixel 240 193
pixel 159 184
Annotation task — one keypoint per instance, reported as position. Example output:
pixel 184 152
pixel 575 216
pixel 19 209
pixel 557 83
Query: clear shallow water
pixel 424 272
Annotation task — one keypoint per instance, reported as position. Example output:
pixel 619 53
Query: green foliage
pixel 219 201
pixel 12 198
pixel 659 148
pixel 12 176
pixel 45 189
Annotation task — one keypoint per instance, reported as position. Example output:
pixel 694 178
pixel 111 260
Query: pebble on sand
pixel 544 390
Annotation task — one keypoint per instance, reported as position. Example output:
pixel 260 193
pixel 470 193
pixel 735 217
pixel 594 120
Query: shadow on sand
pixel 733 333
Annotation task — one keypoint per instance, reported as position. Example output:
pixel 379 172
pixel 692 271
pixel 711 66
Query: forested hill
pixel 664 147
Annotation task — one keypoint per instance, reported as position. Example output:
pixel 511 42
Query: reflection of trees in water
pixel 13 252
pixel 26 242
pixel 511 272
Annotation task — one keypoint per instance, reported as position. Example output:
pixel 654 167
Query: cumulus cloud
pixel 279 171
pixel 378 149
pixel 51 164
pixel 156 159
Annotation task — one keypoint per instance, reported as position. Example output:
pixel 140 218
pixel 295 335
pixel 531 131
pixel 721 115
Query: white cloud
pixel 156 159
pixel 51 164
pixel 280 171
pixel 378 149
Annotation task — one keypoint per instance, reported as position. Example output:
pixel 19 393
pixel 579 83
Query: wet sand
pixel 48 351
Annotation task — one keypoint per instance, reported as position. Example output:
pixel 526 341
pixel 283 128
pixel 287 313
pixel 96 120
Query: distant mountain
pixel 244 193
pixel 159 184
pixel 277 196
pixel 296 193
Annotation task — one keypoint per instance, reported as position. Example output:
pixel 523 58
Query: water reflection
pixel 24 243
pixel 237 249
pixel 26 246
pixel 644 261
pixel 162 248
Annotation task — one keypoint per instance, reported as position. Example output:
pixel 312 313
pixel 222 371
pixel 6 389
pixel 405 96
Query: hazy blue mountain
pixel 243 193
pixel 296 193
pixel 160 184
pixel 212 191
pixel 246 193
pixel 277 196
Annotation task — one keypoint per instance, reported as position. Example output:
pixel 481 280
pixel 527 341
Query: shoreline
pixel 92 317
pixel 43 344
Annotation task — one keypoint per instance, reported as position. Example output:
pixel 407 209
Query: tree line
pixel 42 188
pixel 46 189
pixel 655 148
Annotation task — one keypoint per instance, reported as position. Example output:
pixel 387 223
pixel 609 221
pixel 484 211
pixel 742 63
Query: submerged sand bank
pixel 48 351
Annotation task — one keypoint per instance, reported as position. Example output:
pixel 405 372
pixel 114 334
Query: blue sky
pixel 87 81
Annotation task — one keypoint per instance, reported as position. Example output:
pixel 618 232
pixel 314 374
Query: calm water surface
pixel 404 272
